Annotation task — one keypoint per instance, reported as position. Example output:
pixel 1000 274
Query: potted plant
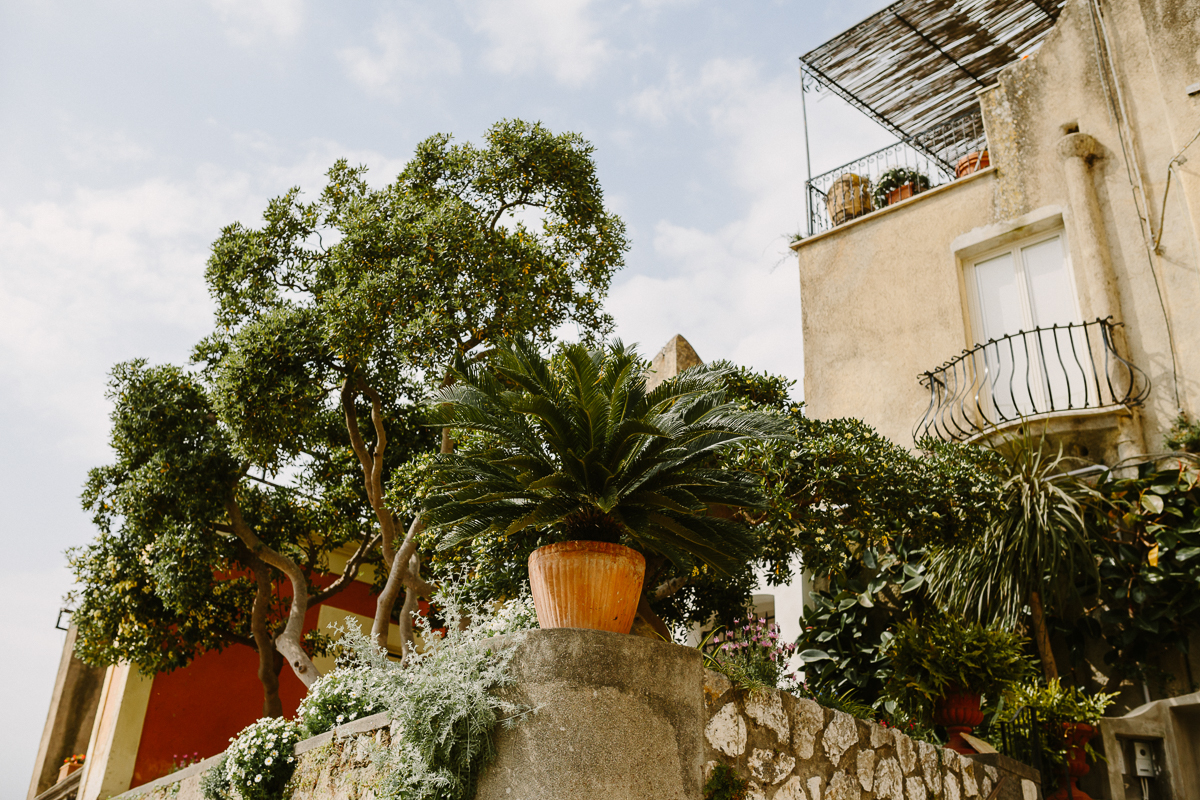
pixel 70 764
pixel 849 197
pixel 1070 719
pixel 573 448
pixel 972 162
pixel 898 183
pixel 951 665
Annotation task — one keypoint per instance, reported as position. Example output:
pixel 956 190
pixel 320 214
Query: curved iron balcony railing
pixel 1024 374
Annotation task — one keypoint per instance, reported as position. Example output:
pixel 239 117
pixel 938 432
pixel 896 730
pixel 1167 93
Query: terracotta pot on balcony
pixel 971 162
pixel 593 585
pixel 66 769
pixel 901 193
pixel 848 197
pixel 1076 735
pixel 958 712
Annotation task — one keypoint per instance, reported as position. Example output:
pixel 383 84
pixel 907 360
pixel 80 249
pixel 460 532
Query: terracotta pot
pixel 848 197
pixel 900 193
pixel 67 769
pixel 1075 736
pixel 971 162
pixel 594 585
pixel 958 712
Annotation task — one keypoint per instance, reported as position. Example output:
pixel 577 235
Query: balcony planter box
pixel 971 162
pixel 849 197
pixel 898 183
pixel 593 585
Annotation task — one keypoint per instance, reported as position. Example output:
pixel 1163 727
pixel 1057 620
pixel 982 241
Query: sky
pixel 131 132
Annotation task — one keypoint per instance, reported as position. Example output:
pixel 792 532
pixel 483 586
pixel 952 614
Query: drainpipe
pixel 1098 281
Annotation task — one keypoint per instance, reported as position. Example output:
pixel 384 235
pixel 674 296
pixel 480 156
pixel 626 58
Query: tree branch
pixel 349 573
pixel 288 641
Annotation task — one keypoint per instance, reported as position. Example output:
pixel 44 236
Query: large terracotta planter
pixel 958 712
pixel 594 585
pixel 1076 735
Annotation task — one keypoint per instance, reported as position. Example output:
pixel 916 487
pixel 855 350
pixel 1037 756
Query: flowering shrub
pixel 184 761
pixel 442 700
pixel 75 760
pixel 750 654
pixel 262 758
pixel 340 696
pixel 511 616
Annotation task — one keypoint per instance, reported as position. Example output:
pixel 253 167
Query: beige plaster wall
pixel 881 303
pixel 882 297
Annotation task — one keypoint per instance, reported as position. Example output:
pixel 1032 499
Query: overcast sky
pixel 131 132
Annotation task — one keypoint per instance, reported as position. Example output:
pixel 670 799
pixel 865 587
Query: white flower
pixel 340 718
pixel 290 759
pixel 269 761
pixel 258 778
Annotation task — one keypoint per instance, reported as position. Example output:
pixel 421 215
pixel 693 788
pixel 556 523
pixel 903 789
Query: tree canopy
pixel 299 430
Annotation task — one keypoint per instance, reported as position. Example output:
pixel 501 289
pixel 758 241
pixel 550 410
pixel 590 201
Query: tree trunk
pixel 652 619
pixel 288 640
pixel 269 660
pixel 1041 636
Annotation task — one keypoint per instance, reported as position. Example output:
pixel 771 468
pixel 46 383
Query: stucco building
pixel 1024 258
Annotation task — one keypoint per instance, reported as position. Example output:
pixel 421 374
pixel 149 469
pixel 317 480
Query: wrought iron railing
pixel 1024 374
pixel 1020 738
pixel 936 155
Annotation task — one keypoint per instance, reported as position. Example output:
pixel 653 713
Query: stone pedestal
pixel 617 716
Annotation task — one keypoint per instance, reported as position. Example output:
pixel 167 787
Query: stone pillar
pixel 1096 278
pixel 617 717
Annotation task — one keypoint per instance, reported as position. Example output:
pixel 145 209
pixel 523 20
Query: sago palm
pixel 575 446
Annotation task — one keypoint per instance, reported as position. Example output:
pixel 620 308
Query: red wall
pixel 198 708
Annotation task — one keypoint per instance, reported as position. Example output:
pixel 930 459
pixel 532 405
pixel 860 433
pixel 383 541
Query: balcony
pixel 1030 374
pixel 934 157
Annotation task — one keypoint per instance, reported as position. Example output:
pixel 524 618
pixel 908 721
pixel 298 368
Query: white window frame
pixel 1014 245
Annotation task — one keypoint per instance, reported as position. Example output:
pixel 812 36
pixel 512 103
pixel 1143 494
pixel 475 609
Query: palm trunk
pixel 1041 636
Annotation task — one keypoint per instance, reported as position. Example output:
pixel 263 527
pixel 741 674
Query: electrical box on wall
pixel 1143 759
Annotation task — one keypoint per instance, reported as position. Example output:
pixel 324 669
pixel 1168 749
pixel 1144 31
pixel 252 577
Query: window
pixel 1017 295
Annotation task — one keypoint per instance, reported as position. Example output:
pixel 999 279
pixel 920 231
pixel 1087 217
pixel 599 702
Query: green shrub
pixel 725 784
pixel 943 654
pixel 214 783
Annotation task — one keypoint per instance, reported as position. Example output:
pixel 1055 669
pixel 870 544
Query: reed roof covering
pixel 918 63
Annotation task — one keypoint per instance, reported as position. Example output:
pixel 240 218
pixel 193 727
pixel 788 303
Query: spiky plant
pixel 574 446
pixel 1034 553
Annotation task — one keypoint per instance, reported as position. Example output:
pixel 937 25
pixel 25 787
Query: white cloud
pixel 405 50
pixel 528 36
pixel 250 22
pixel 733 292
pixel 105 275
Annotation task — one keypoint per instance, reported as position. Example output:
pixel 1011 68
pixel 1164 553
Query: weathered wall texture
pixel 882 296
pixel 626 718
pixel 795 749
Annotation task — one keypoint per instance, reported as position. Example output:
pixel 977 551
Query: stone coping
pixel 364 725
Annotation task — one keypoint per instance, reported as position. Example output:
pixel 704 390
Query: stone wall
pixel 795 749
pixel 628 718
